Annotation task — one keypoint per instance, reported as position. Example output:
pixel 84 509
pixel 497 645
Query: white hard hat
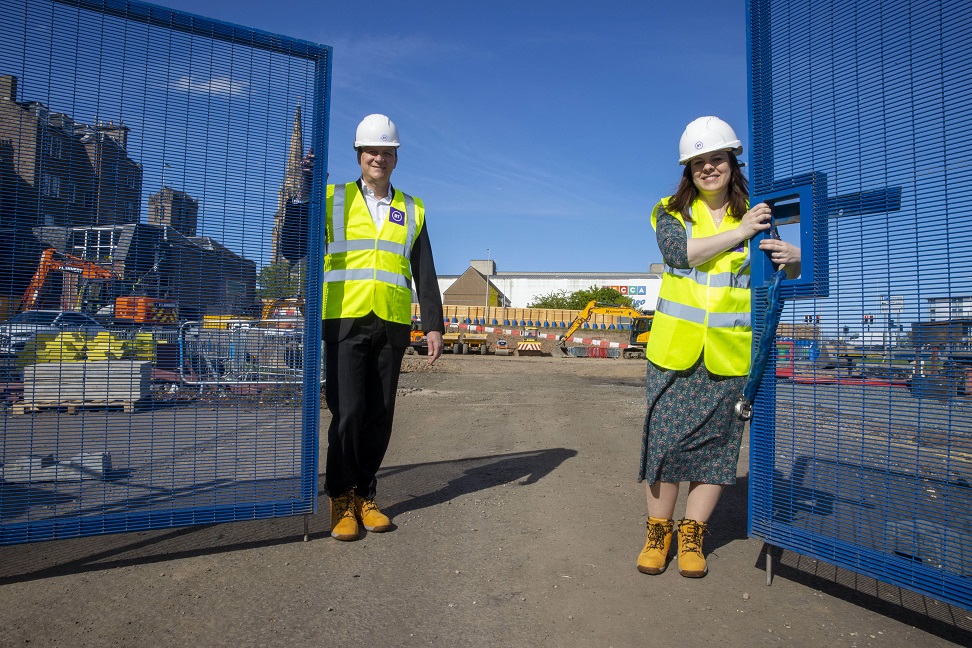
pixel 376 130
pixel 707 134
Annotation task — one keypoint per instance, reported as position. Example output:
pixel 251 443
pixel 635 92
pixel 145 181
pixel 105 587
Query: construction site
pixel 172 261
pixel 518 522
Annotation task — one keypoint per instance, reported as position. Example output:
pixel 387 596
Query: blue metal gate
pixel 862 445
pixel 157 364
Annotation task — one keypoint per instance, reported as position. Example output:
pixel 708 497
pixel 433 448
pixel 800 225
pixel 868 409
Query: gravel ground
pixel 518 521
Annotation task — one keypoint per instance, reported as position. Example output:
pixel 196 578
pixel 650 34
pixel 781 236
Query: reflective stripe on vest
pixel 336 276
pixel 698 315
pixel 703 310
pixel 367 269
pixel 720 280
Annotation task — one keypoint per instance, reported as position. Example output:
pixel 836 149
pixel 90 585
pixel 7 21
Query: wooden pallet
pixel 72 407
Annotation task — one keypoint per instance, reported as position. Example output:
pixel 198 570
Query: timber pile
pixel 91 383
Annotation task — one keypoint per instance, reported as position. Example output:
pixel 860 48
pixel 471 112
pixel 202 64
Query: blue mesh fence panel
pixel 862 446
pixel 159 203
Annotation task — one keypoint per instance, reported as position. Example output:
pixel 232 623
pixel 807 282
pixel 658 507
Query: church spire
pixel 295 187
pixel 292 186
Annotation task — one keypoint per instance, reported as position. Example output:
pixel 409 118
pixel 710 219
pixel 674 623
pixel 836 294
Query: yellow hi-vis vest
pixel 706 309
pixel 366 269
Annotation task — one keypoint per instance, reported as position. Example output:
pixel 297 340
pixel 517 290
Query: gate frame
pixel 321 56
pixel 947 587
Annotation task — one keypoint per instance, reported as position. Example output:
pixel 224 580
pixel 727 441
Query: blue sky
pixel 543 131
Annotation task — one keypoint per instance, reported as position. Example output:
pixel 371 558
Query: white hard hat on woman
pixel 376 130
pixel 707 134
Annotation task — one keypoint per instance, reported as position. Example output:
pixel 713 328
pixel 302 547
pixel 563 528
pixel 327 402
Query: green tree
pixel 580 298
pixel 279 281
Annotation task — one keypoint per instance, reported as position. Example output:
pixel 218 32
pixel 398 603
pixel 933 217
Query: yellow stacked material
pixel 48 347
pixel 143 347
pixel 225 321
pixel 34 348
pixel 66 347
pixel 106 346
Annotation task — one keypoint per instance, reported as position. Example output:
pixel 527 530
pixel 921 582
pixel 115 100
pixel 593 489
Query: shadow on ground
pixel 418 486
pixel 401 489
pixel 728 521
pixel 934 617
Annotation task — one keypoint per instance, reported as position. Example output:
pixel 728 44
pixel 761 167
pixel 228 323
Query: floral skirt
pixel 691 432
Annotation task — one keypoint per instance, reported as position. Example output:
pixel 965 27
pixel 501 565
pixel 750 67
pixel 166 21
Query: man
pixel 376 248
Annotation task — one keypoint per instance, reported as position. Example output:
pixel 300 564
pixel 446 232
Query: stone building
pixel 72 187
pixel 173 208
pixel 56 172
pixel 474 288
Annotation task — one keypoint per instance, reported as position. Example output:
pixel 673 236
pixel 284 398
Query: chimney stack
pixel 8 87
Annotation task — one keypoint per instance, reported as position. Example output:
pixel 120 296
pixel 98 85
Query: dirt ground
pixel 511 482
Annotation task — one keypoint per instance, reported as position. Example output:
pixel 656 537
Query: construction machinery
pixel 529 342
pixel 281 313
pixel 473 342
pixel 95 285
pixel 465 342
pixel 452 340
pixel 640 326
pixel 417 342
pixel 282 307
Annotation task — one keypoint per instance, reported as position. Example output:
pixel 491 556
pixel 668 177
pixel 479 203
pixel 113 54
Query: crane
pixel 640 325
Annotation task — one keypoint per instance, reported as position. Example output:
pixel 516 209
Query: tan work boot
pixel 344 525
pixel 654 557
pixel 691 561
pixel 371 518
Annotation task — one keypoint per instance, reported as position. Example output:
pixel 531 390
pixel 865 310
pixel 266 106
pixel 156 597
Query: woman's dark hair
pixel 686 193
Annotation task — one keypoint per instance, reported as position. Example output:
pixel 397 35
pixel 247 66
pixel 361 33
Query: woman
pixel 699 349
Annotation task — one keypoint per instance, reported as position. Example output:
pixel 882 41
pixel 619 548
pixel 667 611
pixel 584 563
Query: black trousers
pixel 362 381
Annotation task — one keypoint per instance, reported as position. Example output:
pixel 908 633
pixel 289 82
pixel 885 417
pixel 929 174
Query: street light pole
pixel 486 318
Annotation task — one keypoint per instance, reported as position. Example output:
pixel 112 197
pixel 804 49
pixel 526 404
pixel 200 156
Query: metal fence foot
pixel 769 564
pixel 306 527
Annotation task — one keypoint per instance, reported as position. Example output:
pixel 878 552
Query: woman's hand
pixel 756 220
pixel 780 252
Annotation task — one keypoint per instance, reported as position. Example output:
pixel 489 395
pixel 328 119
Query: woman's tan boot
pixel 691 560
pixel 654 557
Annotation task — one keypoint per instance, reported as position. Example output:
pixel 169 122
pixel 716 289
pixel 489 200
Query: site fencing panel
pixel 157 179
pixel 862 446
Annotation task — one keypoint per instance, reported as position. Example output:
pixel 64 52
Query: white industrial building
pixel 521 288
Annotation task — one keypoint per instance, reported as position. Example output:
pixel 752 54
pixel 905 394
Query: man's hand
pixel 434 339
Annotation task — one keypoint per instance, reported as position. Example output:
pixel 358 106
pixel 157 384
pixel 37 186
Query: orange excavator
pixel 133 309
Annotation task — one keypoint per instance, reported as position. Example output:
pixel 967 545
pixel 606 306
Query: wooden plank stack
pixel 89 383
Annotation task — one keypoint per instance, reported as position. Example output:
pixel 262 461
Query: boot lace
pixel 656 536
pixel 345 504
pixel 692 535
pixel 368 505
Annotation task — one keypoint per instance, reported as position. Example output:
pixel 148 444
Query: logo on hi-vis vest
pixel 397 216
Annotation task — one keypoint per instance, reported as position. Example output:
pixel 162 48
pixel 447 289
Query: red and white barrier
pixel 547 336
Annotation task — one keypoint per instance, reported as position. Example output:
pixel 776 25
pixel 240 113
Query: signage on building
pixel 637 293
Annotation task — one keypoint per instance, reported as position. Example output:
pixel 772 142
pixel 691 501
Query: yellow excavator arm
pixel 598 308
